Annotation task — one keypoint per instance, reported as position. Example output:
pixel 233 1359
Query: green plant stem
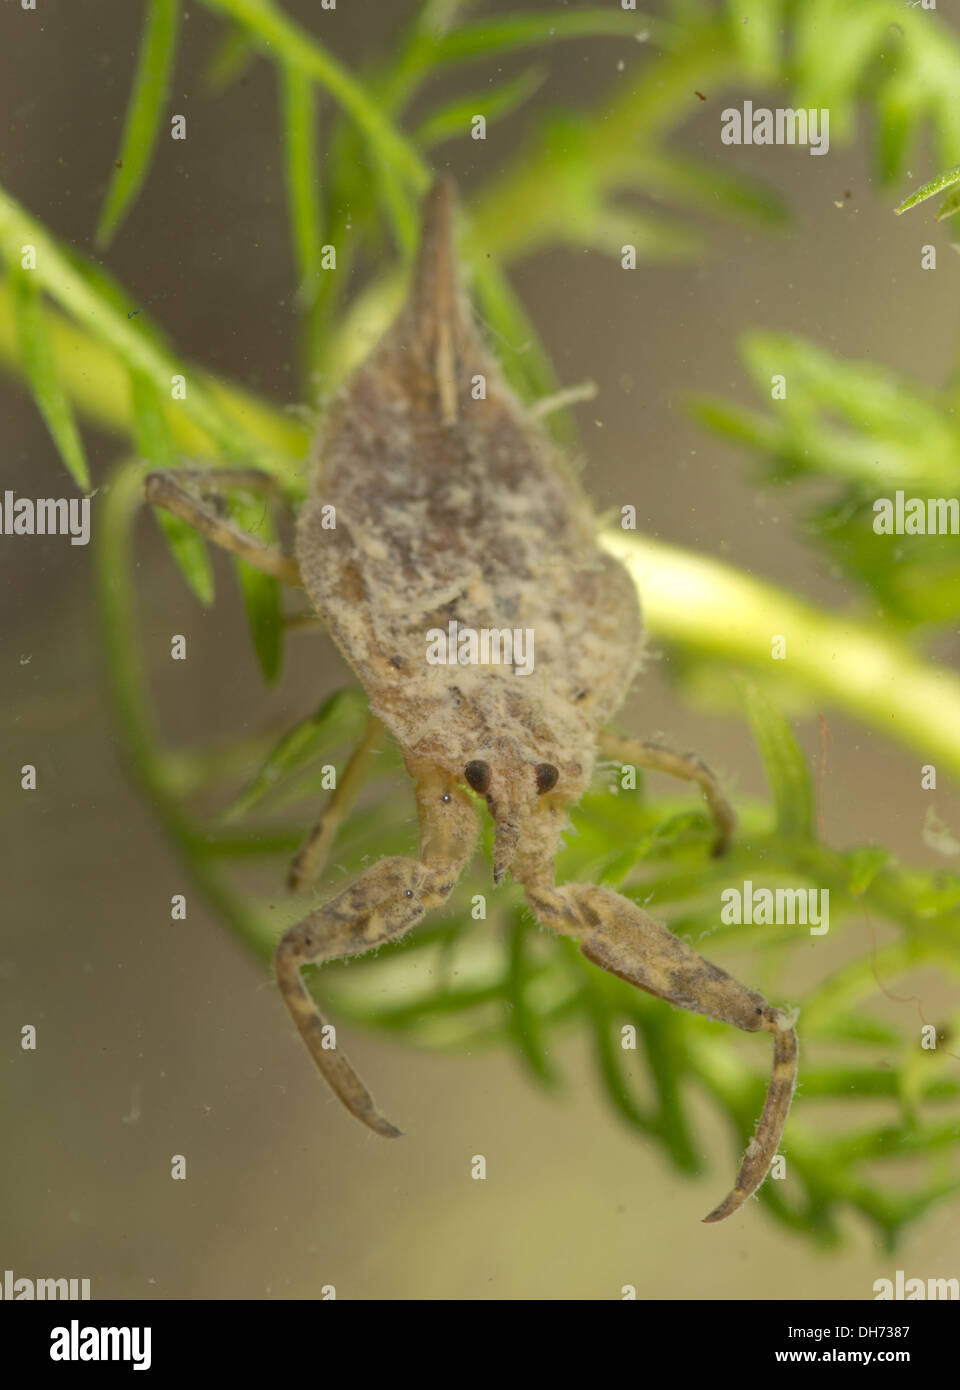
pixel 529 204
pixel 286 42
pixel 717 611
pixel 105 323
pixel 99 386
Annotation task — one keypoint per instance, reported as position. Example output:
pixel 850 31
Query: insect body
pixel 452 507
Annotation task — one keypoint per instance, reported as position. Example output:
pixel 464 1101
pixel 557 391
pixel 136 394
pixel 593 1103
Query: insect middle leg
pixel 688 767
pixel 383 904
pixel 164 489
pixel 616 935
pixel 310 858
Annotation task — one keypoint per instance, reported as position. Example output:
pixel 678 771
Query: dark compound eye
pixel 547 776
pixel 478 776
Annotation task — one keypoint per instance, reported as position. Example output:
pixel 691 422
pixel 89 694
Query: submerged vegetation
pixel 580 178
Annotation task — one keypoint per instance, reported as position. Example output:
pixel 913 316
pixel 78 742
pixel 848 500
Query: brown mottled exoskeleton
pixel 451 505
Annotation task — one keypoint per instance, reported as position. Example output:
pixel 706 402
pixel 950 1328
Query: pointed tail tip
pixel 442 193
pixel 434 289
pixel 437 218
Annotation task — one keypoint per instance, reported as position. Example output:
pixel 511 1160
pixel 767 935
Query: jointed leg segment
pixel 310 858
pixel 616 935
pixel 383 904
pixel 164 489
pixel 763 1146
pixel 686 766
